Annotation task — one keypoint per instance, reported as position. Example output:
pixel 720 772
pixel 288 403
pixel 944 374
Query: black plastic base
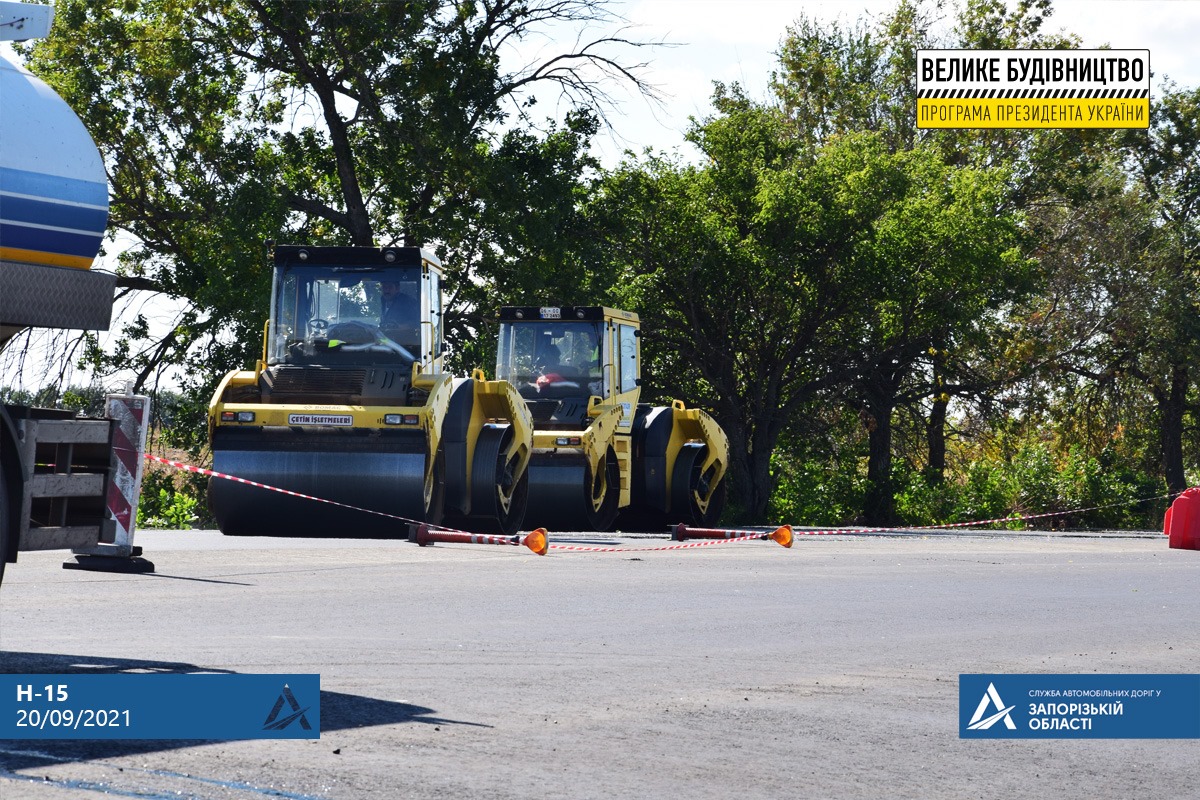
pixel 133 564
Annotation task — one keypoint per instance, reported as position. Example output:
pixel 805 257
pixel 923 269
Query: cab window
pixel 627 357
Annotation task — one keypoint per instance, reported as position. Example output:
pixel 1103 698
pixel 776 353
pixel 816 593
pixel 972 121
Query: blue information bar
pixel 1087 706
pixel 158 706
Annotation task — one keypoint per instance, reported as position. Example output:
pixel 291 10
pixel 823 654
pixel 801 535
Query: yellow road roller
pixel 349 403
pixel 600 458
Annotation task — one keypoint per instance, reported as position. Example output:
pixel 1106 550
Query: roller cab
pixel 600 457
pixel 350 404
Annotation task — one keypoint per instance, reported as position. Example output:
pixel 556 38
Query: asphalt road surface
pixel 738 670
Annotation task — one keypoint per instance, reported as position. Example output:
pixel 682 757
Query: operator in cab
pixel 400 312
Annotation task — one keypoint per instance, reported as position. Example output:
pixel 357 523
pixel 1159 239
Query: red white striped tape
pixel 749 536
pixel 214 474
pixel 975 524
pixel 478 538
pixel 681 546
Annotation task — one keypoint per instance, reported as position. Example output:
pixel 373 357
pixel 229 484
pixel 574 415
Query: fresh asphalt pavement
pixel 736 670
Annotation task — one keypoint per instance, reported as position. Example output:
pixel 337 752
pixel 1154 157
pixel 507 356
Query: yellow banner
pixel 963 112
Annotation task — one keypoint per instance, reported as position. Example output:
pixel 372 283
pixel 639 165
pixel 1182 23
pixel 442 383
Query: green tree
pixel 776 272
pixel 738 267
pixel 227 122
pixel 947 256
pixel 834 79
pixel 1166 165
pixel 916 352
pixel 1115 332
pixel 1119 317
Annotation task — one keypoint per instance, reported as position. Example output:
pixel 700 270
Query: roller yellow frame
pixel 350 403
pixel 601 458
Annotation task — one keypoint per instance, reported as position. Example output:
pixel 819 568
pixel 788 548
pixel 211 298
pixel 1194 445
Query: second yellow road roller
pixel 600 458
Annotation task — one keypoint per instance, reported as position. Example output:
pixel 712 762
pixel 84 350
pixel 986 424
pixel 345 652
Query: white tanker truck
pixel 65 482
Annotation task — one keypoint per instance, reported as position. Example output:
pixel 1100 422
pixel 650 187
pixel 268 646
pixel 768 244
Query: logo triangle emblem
pixel 991 697
pixel 275 722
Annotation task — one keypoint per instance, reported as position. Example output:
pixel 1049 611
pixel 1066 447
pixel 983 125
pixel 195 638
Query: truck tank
pixel 65 481
pixel 53 206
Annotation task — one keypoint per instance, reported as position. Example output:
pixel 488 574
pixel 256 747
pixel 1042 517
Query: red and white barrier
pixel 131 413
pixel 781 535
pixel 1182 521
pixel 425 535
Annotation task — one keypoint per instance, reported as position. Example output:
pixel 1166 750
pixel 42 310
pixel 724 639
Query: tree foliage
pixel 779 272
pixel 227 122
pixel 738 266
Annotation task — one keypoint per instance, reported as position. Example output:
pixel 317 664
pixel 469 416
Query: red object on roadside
pixel 781 535
pixel 424 535
pixel 1182 521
